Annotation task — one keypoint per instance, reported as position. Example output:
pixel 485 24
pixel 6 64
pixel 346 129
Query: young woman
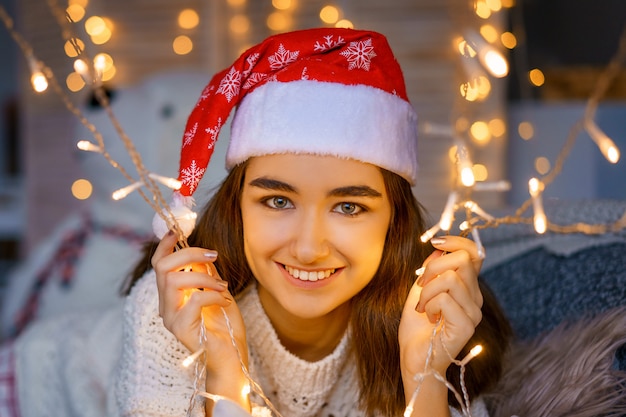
pixel 301 270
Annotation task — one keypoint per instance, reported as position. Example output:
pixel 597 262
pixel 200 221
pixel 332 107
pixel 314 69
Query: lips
pixel 309 275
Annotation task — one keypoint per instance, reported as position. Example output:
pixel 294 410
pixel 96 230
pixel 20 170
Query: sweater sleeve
pixel 151 380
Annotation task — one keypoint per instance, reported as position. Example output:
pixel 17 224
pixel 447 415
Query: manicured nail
pixel 210 255
pixel 438 240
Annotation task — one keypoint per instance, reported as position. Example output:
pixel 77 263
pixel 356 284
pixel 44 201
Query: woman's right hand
pixel 190 292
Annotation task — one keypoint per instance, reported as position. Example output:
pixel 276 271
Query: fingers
pixel 448 296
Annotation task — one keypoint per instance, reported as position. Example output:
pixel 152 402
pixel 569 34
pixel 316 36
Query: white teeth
pixel 309 276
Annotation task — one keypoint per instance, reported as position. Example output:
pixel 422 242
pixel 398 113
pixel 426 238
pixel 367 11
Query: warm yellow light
pixel 508 40
pixel 95 25
pixel 39 82
pixel 344 23
pixel 482 9
pixel 81 67
pixel 279 21
pixel 105 60
pixel 329 14
pixel 467 177
pixel 76 12
pixel 535 187
pixel 82 189
pixel 108 23
pixel 452 153
pixel 604 142
pixel 85 145
pixel 526 130
pixel 188 19
pixel 245 391
pixel 540 222
pixel 182 45
pixel 102 37
pixel 480 172
pixel 71 45
pixel 494 5
pixel 469 91
pixel 465 49
pixel 495 63
pixel 123 192
pixel 508 3
pixel 480 131
pixel 109 73
pixel 536 77
pixel 497 127
pixel 484 86
pixel 489 33
pixel 236 3
pixel 74 82
pixel 239 24
pixel 542 165
pixel 82 3
pixel 282 4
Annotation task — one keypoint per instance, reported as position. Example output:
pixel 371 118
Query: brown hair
pixel 377 308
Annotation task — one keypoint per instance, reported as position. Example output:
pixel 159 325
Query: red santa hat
pixel 322 91
pixel 326 91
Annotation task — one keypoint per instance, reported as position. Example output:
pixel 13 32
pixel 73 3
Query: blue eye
pixel 278 202
pixel 350 209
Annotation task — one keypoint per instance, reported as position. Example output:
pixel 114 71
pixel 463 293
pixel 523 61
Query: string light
pixel 123 192
pixel 85 145
pixel 490 58
pixel 605 144
pixel 535 188
pixel 172 183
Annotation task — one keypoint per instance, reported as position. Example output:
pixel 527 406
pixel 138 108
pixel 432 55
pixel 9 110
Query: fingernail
pixel 210 255
pixel 170 232
pixel 438 240
pixel 222 284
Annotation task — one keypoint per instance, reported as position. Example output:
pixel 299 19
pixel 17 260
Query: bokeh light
pixel 82 189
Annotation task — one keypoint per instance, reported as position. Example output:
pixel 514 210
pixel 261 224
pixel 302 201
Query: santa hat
pixel 325 91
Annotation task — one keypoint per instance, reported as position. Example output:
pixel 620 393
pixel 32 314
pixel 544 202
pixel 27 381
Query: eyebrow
pixel 348 191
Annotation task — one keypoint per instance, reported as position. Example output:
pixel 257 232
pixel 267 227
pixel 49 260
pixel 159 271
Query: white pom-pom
pixel 185 217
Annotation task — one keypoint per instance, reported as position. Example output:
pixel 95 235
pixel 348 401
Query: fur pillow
pixel 568 371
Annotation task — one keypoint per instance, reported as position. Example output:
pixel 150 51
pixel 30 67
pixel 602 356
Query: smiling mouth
pixel 309 275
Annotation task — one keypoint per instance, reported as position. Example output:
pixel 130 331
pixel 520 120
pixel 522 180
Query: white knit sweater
pixel 84 365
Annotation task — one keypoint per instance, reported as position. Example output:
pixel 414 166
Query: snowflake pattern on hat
pixel 343 56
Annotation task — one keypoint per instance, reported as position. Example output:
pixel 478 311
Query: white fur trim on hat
pixel 310 117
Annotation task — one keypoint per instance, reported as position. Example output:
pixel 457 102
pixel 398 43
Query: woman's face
pixel 314 230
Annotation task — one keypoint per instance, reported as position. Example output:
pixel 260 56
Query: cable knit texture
pixel 152 382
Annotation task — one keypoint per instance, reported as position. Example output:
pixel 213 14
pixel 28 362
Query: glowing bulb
pixel 95 25
pixel 279 21
pixel 329 14
pixel 480 131
pixel 39 82
pixel 344 23
pixel 445 222
pixel 480 172
pixel 536 77
pixel 192 358
pixel 74 82
pixel 427 235
pixel 99 63
pixel 508 40
pixel 82 189
pixel 245 391
pixel 123 192
pixel 85 145
pixel 73 47
pixel 606 145
pixel 495 63
pixel 535 187
pixel 172 183
pixel 81 67
pixel 239 24
pixel 281 4
pixel 526 130
pixel 467 177
pixel 182 45
pixel 188 19
pixel 489 33
pixel 476 350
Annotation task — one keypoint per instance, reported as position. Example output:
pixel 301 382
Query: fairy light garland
pixel 474 49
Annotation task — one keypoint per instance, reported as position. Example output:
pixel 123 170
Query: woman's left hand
pixel 447 290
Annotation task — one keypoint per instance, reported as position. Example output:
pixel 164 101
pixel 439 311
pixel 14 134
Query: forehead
pixel 314 169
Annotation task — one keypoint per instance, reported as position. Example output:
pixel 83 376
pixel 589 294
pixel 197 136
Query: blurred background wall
pixel 511 125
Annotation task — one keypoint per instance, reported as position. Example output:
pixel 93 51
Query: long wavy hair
pixel 376 310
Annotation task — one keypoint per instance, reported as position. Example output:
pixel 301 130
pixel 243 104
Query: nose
pixel 310 238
